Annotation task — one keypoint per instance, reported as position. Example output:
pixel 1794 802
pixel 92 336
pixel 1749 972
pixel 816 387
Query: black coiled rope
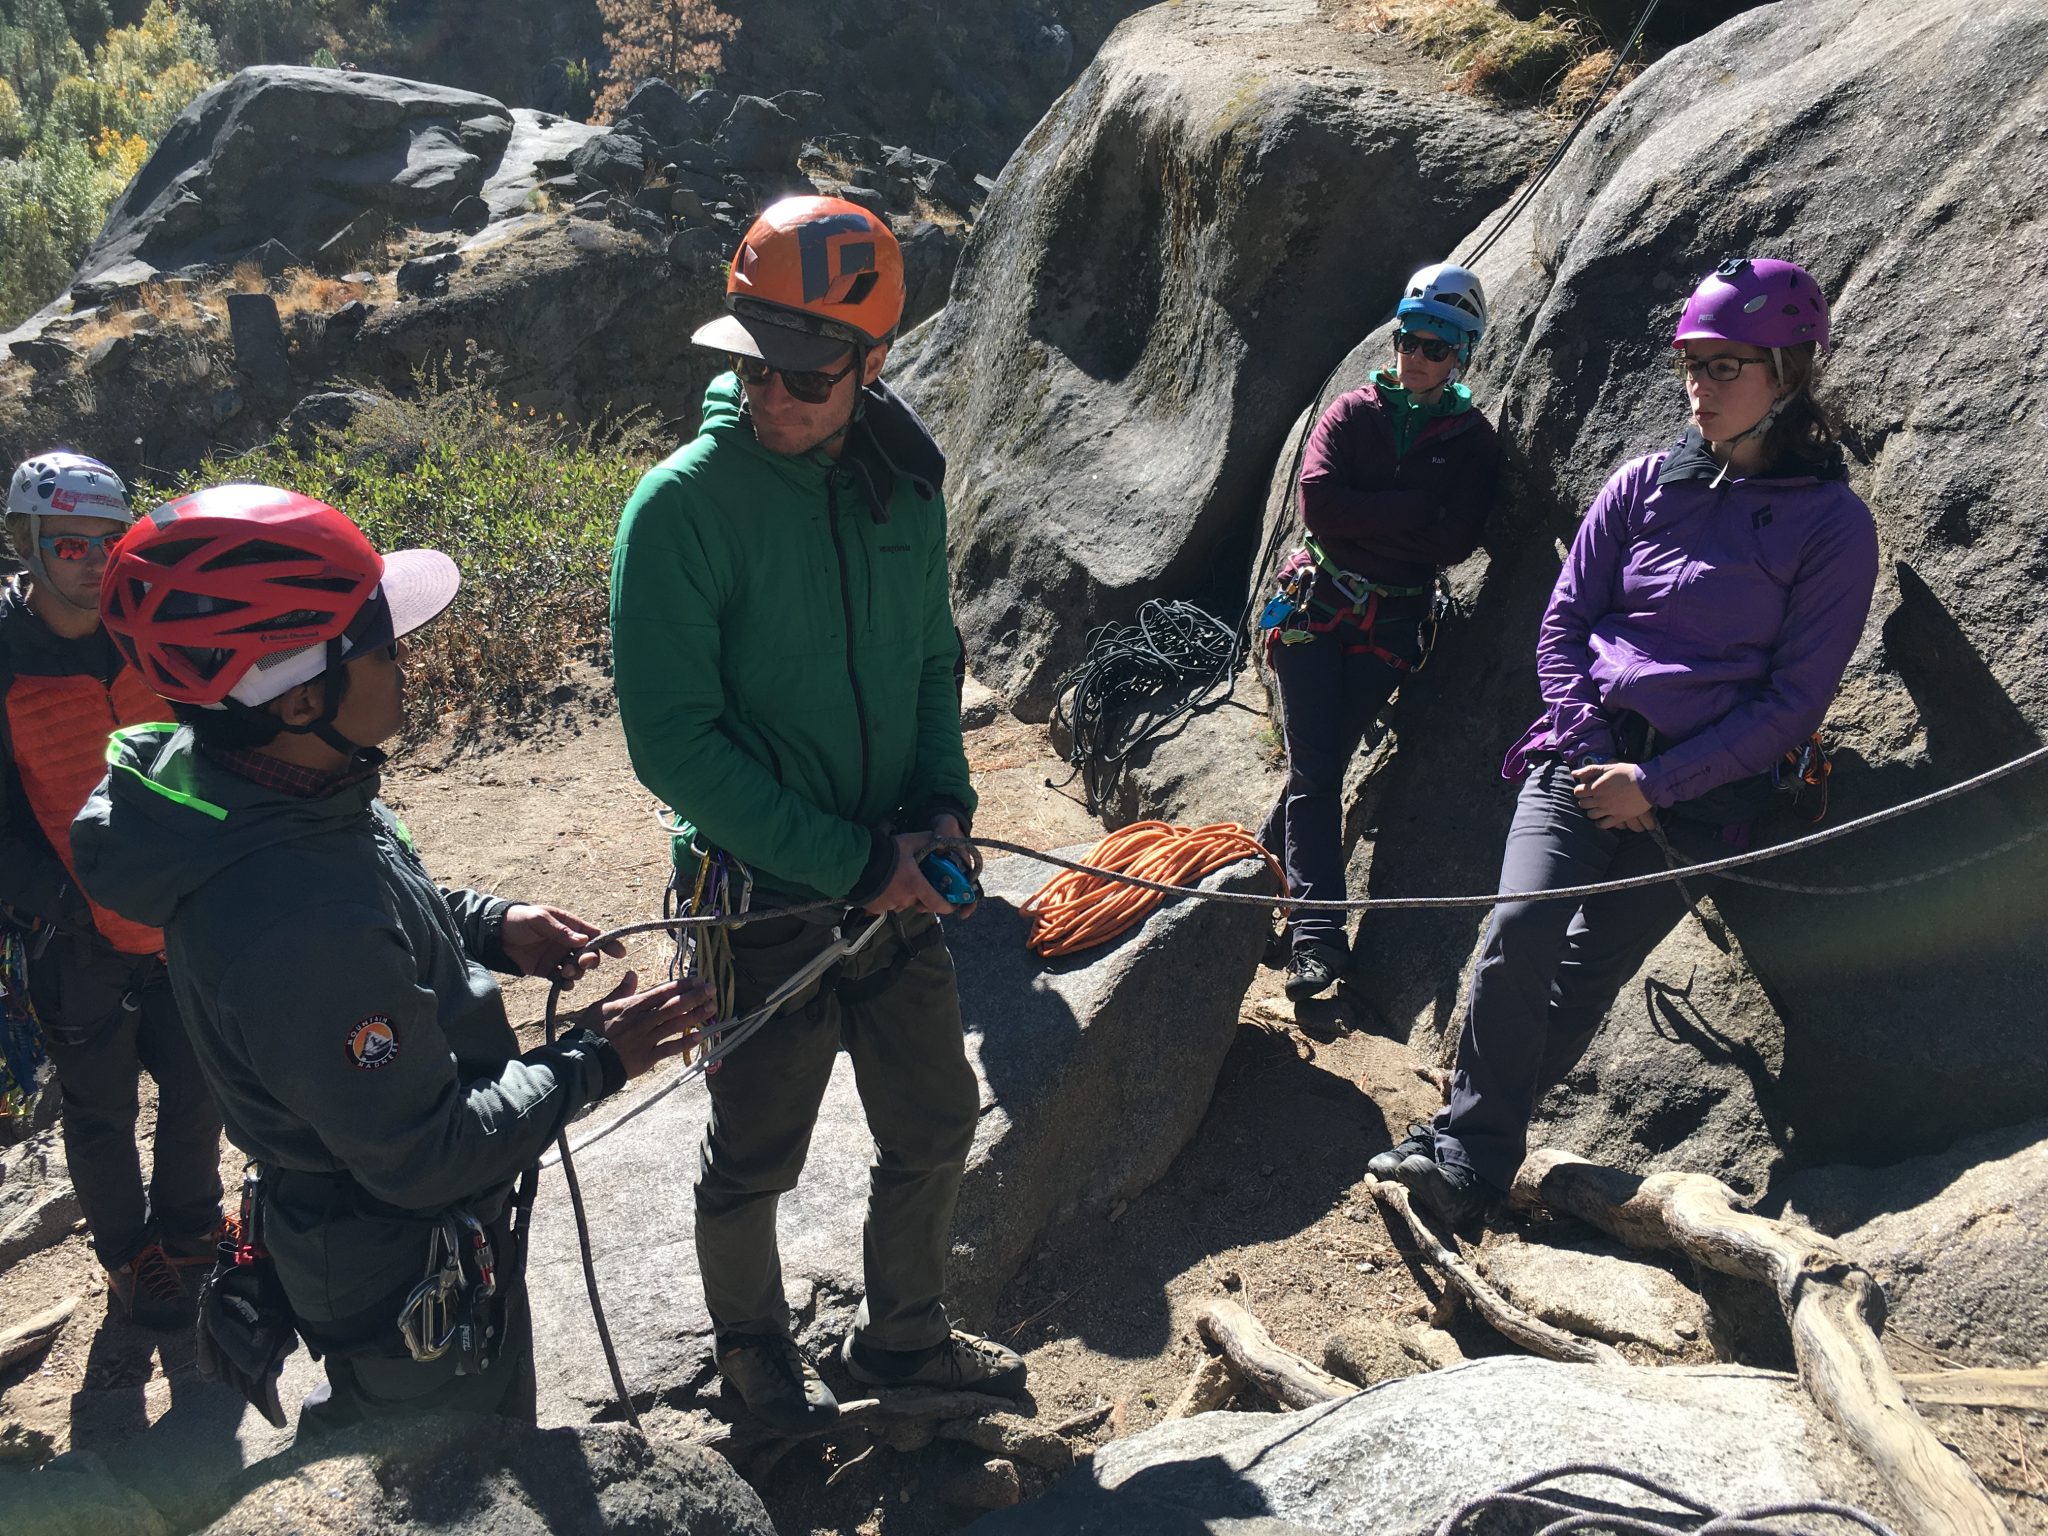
pixel 1137 680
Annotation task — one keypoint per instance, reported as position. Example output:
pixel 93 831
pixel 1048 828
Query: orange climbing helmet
pixel 813 276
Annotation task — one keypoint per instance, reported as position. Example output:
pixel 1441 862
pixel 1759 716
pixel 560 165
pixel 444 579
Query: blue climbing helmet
pixel 1446 301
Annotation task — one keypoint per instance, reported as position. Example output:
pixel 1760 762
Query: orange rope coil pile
pixel 1073 911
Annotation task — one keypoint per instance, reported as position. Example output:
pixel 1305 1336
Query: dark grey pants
pixel 1550 970
pixel 920 1097
pixel 107 1019
pixel 1327 699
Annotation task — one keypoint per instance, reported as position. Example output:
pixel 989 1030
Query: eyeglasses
pixel 813 386
pixel 1431 347
pixel 1722 370
pixel 79 546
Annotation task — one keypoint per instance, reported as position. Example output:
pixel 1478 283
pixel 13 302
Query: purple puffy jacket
pixel 1723 615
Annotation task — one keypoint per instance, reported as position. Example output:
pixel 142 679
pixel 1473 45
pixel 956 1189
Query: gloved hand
pixel 245 1330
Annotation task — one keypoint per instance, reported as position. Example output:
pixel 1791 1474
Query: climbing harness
pixel 1530 1503
pixel 719 1041
pixel 1289 617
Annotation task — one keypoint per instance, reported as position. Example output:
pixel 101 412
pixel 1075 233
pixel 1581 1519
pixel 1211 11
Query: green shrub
pixel 525 503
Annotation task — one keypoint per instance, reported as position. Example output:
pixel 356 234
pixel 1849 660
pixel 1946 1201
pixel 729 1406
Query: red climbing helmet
pixel 237 593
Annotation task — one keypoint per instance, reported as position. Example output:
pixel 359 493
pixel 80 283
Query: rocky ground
pixel 1266 1206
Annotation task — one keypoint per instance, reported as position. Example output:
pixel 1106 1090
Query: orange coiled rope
pixel 1073 911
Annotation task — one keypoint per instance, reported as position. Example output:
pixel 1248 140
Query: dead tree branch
pixel 1834 1309
pixel 1506 1319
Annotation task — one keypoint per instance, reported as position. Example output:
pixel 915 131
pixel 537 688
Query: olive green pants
pixel 895 1010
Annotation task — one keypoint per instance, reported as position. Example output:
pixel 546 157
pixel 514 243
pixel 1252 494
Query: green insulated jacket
pixel 340 1008
pixel 784 648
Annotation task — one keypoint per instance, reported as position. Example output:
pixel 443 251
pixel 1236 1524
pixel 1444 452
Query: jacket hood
pixel 165 822
pixel 888 445
pixel 1692 459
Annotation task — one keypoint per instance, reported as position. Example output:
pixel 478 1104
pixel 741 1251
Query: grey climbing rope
pixel 1689 1517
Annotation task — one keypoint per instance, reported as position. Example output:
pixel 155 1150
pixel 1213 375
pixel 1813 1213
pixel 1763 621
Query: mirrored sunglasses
pixel 79 546
pixel 1435 348
pixel 813 386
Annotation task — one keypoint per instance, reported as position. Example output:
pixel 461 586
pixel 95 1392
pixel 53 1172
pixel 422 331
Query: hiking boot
pixel 1419 1142
pixel 1454 1195
pixel 776 1381
pixel 149 1293
pixel 964 1363
pixel 1311 971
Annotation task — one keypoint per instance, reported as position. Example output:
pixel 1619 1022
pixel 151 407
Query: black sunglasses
pixel 813 386
pixel 1431 347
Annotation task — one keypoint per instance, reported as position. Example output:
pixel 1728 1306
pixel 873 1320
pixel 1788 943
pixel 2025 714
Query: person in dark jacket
pixel 1698 631
pixel 1397 482
pixel 95 980
pixel 339 999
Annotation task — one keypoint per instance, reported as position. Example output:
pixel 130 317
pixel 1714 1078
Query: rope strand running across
pixel 1453 903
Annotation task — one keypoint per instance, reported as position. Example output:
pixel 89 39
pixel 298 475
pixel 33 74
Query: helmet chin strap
pixel 334 688
pixel 1764 422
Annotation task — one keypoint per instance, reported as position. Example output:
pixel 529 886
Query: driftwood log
pixel 1507 1319
pixel 1282 1375
pixel 1834 1310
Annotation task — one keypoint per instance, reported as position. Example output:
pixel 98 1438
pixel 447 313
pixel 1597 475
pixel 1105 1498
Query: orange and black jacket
pixel 59 702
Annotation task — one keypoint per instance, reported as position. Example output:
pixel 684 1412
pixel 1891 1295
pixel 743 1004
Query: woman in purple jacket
pixel 1696 635
pixel 1397 481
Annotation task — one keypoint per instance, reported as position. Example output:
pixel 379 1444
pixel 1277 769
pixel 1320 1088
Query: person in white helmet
pixel 94 981
pixel 1396 483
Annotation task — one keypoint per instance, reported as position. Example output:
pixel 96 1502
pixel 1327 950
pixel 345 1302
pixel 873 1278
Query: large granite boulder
pixel 1959 1241
pixel 1185 244
pixel 295 155
pixel 1838 1028
pixel 1095 1071
pixel 1398 1459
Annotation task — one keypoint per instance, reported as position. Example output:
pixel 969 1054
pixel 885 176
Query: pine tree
pixel 679 41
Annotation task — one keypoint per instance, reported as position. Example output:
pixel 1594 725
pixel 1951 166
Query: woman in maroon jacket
pixel 1397 482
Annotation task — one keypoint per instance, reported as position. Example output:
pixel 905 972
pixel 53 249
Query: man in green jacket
pixel 784 648
pixel 339 999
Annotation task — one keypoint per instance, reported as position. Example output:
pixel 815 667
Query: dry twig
pixel 1506 1319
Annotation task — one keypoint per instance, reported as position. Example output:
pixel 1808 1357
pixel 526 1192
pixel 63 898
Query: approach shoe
pixel 776 1381
pixel 149 1293
pixel 964 1363
pixel 1453 1194
pixel 1311 971
pixel 1419 1142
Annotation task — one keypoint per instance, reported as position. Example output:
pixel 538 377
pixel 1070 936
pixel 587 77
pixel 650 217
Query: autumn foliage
pixel 679 41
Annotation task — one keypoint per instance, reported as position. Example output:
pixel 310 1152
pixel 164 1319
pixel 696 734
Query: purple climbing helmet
pixel 1762 303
